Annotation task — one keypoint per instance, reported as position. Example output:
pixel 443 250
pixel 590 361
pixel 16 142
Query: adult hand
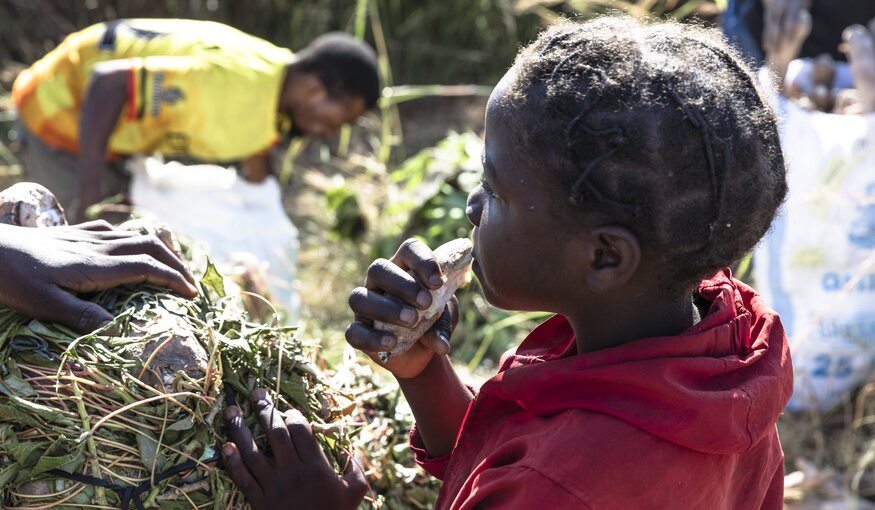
pixel 390 295
pixel 787 24
pixel 299 475
pixel 257 168
pixel 43 269
pixel 859 46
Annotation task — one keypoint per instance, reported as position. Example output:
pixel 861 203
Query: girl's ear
pixel 614 257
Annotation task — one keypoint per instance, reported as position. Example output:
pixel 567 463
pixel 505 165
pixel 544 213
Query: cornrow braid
pixel 708 141
pixel 659 127
pixel 613 135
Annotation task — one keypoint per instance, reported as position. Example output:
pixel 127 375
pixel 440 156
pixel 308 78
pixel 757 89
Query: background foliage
pixel 448 41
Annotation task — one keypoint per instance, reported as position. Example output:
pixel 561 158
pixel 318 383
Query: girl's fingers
pixel 243 479
pixel 438 336
pixel 305 442
pixel 368 339
pixel 375 306
pixel 148 245
pixel 94 237
pixel 127 269
pixel 355 480
pixel 94 226
pixel 437 341
pixel 273 425
pixel 241 436
pixel 413 255
pixel 82 316
pixel 389 278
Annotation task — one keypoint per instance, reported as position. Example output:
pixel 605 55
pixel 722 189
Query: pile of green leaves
pixel 80 405
pixel 382 421
pixel 396 481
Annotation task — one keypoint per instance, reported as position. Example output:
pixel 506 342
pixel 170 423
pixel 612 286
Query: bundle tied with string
pixel 130 416
pixel 86 423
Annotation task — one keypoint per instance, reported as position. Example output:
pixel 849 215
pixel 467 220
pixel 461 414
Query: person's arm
pixel 439 401
pixel 104 99
pixel 436 395
pixel 257 168
pixel 44 268
pixel 787 24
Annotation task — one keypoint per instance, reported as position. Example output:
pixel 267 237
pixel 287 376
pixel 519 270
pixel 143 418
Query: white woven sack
pixel 816 267
pixel 226 214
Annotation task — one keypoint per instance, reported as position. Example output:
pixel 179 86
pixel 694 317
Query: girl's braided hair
pixel 660 127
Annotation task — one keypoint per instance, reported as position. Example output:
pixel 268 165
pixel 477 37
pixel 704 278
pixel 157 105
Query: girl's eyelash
pixel 487 189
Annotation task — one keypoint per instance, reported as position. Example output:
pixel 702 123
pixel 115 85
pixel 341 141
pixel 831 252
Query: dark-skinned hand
pixel 44 268
pixel 390 295
pixel 298 476
pixel 787 24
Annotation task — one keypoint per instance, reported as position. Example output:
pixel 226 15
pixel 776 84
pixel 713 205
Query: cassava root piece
pixel 159 230
pixel 455 259
pixel 28 204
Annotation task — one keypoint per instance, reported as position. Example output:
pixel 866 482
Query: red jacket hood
pixel 717 388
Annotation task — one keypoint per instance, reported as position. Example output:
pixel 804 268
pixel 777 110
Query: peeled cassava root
pixel 455 259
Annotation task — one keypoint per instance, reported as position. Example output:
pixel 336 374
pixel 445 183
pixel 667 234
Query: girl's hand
pixel 391 295
pixel 299 475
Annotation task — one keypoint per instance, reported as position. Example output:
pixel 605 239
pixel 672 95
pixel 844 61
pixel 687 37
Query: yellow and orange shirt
pixel 195 88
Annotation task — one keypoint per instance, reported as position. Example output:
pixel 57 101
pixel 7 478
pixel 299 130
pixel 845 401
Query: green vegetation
pixel 449 42
pixel 144 395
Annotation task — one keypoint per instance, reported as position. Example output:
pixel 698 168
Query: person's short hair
pixel 346 66
pixel 658 127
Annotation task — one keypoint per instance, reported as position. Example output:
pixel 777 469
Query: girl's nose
pixel 475 206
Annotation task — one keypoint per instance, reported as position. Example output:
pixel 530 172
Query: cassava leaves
pixel 135 399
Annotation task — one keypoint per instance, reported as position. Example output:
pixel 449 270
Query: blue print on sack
pixel 825 365
pixel 858 329
pixel 862 230
pixel 833 281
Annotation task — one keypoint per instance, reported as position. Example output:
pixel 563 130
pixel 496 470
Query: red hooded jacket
pixel 677 422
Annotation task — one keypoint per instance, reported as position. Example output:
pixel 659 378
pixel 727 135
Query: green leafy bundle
pixel 396 481
pixel 130 407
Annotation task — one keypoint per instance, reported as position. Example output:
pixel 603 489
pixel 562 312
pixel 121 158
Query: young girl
pixel 623 164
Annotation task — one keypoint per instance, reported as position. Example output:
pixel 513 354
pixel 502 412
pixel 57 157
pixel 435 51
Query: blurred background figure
pixel 755 25
pixel 196 90
pixel 820 54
